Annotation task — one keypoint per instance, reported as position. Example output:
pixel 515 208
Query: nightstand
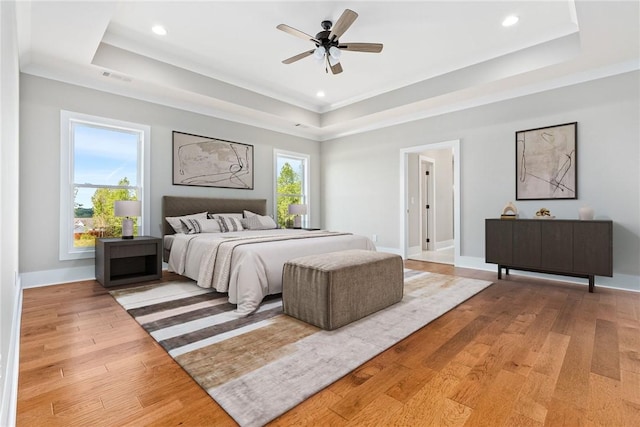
pixel 123 261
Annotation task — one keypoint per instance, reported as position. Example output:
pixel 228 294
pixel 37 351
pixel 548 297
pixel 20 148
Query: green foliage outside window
pixel 104 221
pixel 289 192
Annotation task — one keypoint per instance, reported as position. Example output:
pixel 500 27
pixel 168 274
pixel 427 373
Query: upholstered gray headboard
pixel 178 206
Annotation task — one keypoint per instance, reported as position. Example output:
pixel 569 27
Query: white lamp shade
pixel 297 209
pixel 319 52
pixel 334 52
pixel 128 208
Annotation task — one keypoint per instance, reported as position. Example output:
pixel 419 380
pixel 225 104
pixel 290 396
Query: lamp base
pixel 127 228
pixel 297 222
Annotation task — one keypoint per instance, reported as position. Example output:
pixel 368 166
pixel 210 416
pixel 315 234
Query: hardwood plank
pixel 536 392
pixel 630 382
pixel 629 346
pixel 354 401
pixel 605 405
pixel 574 374
pixel 494 407
pixel 606 356
pixel 428 405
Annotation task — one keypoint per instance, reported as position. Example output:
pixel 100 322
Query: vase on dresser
pixel 585 213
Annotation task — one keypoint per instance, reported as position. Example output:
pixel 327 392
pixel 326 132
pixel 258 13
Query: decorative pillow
pixel 229 223
pixel 176 221
pixel 249 214
pixel 259 222
pixel 196 226
pixel 226 215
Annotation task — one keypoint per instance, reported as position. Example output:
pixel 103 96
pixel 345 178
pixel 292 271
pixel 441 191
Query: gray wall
pixel 40 103
pixel 9 214
pixel 361 173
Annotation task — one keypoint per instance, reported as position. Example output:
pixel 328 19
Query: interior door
pixel 427 207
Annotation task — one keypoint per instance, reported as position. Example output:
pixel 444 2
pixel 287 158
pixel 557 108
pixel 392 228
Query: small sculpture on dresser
pixel 509 211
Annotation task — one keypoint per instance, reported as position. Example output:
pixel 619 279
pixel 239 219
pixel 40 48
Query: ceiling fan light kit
pixel 328 47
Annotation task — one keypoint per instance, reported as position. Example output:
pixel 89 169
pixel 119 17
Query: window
pixel 292 185
pixel 101 161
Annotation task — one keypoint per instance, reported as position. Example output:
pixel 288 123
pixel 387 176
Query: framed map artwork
pixel 546 165
pixel 210 162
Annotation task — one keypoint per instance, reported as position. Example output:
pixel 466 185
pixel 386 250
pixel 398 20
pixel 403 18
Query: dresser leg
pixel 499 272
pixel 592 283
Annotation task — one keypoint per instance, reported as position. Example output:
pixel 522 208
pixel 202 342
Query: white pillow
pixel 176 221
pixel 249 214
pixel 225 215
pixel 197 226
pixel 259 222
pixel 229 223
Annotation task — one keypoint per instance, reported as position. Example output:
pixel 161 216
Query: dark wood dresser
pixel 566 247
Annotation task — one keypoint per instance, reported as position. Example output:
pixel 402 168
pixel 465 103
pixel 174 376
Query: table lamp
pixel 297 210
pixel 127 209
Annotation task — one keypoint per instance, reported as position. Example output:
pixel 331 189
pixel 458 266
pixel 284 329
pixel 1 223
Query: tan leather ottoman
pixel 334 289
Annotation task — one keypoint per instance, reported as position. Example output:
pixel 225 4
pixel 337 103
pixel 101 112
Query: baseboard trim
pixel 36 279
pixel 389 250
pixel 622 282
pixel 445 244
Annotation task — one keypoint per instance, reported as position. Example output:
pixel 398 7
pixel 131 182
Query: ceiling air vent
pixel 116 76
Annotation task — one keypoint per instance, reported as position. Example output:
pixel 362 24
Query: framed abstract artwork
pixel 210 162
pixel 546 165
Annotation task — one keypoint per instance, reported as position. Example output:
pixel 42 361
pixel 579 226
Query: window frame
pixel 277 153
pixel 67 250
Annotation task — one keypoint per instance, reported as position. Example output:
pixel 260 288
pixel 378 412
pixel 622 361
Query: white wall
pixel 361 180
pixel 40 103
pixel 9 196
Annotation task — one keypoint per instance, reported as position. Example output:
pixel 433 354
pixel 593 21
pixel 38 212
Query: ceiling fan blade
pixel 361 47
pixel 336 69
pixel 297 33
pixel 298 56
pixel 343 24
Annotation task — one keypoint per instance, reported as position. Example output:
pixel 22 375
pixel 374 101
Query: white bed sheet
pixel 256 269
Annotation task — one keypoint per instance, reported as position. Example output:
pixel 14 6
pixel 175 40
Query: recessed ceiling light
pixel 320 94
pixel 510 20
pixel 159 30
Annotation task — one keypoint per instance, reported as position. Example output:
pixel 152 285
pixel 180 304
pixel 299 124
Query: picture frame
pixel 546 163
pixel 211 162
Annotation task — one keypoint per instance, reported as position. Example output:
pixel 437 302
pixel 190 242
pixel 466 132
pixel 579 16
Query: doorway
pixel 430 228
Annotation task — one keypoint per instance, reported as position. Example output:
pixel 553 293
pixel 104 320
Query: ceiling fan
pixel 328 47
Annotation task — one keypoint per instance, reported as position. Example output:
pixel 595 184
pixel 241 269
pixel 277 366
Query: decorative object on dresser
pixel 297 210
pixel 509 211
pixel 546 165
pixel 120 262
pixel 585 213
pixel 544 213
pixel 128 209
pixel 566 247
pixel 211 162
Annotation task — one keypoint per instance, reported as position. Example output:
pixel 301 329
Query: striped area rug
pixel 260 366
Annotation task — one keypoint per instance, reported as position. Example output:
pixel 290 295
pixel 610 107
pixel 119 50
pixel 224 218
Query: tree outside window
pixel 291 185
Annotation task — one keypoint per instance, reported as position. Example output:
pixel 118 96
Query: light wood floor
pixel 523 352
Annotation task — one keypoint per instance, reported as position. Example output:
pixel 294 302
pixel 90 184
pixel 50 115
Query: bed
pixel 247 264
